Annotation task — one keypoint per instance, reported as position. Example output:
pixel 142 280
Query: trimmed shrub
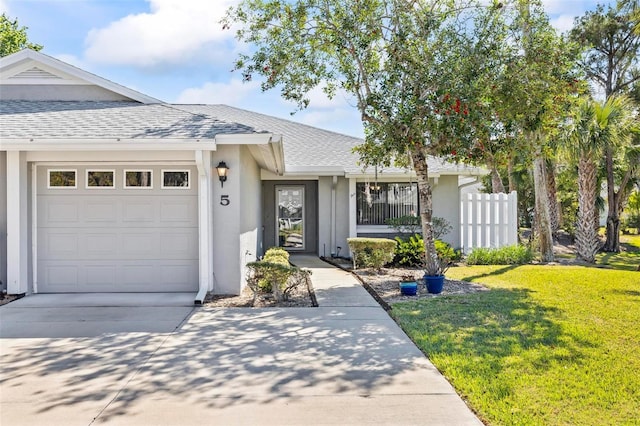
pixel 371 252
pixel 508 255
pixel 274 274
pixel 275 252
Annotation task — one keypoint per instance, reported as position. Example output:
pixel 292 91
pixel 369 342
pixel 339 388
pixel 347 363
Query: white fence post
pixel 488 220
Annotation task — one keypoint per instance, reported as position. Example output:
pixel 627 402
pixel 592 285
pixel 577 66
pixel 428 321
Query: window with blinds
pixel 377 202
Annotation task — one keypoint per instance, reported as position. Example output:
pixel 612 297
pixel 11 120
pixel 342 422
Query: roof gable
pixel 30 69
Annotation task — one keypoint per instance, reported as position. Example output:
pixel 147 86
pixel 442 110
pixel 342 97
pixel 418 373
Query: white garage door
pixel 117 229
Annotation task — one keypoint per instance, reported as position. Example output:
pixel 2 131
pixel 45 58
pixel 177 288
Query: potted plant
pixel 408 285
pixel 434 273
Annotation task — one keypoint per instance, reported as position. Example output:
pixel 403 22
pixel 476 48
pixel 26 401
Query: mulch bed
pixel 301 297
pixel 386 284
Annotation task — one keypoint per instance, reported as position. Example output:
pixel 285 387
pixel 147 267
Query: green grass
pixel 547 345
pixel 628 258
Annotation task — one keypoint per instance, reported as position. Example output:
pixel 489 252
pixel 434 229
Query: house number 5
pixel 224 200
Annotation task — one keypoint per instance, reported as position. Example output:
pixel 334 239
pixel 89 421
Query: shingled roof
pixel 309 149
pixel 110 119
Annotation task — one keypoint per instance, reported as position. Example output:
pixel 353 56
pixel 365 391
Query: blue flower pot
pixel 434 283
pixel 409 288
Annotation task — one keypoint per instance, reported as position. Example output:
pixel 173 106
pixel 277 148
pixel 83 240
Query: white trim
pixel 163 171
pixel 244 139
pixel 62 187
pixel 374 229
pixel 34 224
pixel 205 225
pixel 17 223
pixel 353 209
pixel 9 144
pixel 86 178
pixel 124 178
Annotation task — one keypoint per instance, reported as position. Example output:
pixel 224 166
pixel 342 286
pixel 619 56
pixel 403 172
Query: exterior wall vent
pixel 36 73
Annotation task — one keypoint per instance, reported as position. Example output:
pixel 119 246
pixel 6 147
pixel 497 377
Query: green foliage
pixel 13 38
pixel 275 275
pixel 371 252
pixel 420 73
pixel 508 255
pixel 632 219
pixel 405 224
pixel 445 251
pixel 413 225
pixel 273 255
pixel 410 252
pixel 546 345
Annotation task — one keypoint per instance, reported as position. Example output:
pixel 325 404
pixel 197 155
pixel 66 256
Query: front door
pixel 290 213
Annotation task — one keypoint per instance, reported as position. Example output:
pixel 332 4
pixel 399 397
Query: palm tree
pixel 594 127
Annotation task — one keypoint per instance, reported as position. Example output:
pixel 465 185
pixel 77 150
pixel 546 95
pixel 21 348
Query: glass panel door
pixel 290 217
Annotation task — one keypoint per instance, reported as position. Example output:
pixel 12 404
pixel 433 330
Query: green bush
pixel 274 274
pixel 277 253
pixel 274 255
pixel 371 252
pixel 445 251
pixel 508 255
pixel 410 252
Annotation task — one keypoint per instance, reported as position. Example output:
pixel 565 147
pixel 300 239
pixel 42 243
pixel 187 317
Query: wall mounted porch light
pixel 222 170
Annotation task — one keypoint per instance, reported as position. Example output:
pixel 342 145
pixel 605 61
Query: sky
pixel 176 51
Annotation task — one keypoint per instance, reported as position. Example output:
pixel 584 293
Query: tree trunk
pixel 587 241
pixel 542 222
pixel 612 244
pixel 496 180
pixel 419 157
pixel 554 206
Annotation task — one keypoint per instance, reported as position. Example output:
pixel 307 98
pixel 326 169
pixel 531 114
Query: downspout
pixel 203 161
pixel 332 240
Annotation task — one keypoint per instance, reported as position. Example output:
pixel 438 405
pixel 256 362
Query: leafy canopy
pixel 13 37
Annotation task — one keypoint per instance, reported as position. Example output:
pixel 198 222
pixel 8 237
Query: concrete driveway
pixel 179 365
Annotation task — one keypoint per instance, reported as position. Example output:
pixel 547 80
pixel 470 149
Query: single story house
pixel 105 189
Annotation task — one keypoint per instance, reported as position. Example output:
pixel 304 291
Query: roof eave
pixel 112 144
pixel 27 54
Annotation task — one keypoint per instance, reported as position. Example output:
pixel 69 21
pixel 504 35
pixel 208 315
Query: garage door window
pixel 138 179
pixel 62 179
pixel 176 179
pixel 100 179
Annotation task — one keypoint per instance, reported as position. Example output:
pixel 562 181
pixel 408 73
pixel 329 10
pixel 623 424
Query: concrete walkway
pixel 344 363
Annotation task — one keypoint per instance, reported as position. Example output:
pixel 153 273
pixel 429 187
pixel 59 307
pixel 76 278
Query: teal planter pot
pixel 434 283
pixel 409 288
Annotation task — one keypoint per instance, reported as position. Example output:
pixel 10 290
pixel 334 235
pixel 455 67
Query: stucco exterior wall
pixel 324 216
pixel 43 92
pixel 342 215
pixel 226 223
pixel 327 247
pixel 3 219
pixel 446 204
pixel 250 211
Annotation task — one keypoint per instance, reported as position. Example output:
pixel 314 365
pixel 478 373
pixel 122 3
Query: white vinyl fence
pixel 488 220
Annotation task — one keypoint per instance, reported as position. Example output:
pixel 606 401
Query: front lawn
pixel 548 345
pixel 628 258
